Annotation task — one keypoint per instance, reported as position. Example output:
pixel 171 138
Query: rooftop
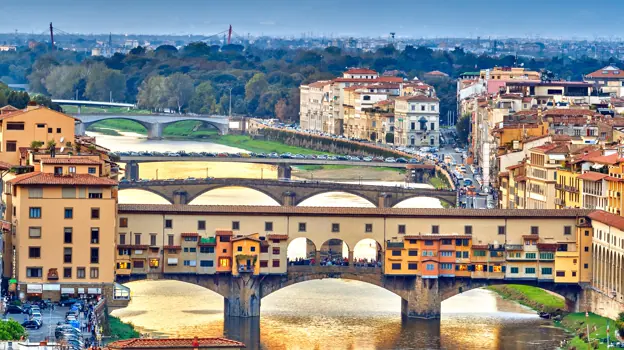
pixel 144 343
pixel 71 160
pixel 592 176
pixel 39 178
pixel 608 218
pixel 361 71
pixel 607 72
pixel 342 211
pixel 418 98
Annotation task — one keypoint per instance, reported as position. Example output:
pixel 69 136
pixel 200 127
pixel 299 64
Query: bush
pixel 11 330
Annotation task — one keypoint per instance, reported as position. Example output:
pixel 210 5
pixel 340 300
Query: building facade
pixel 417 121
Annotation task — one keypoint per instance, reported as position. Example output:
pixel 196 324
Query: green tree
pixel 180 90
pixel 463 128
pixel 11 330
pixel 63 81
pixel 203 100
pixel 103 83
pixel 152 93
pixel 256 86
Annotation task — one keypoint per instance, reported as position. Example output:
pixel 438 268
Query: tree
pixel 203 100
pixel 152 93
pixel 389 137
pixel 11 330
pixel 180 89
pixel 63 81
pixel 280 109
pixel 463 128
pixel 255 87
pixel 103 83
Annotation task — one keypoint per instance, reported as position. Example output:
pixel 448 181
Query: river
pixel 325 314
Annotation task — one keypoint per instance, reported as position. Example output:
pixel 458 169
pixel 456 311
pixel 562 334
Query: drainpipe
pixel 162 253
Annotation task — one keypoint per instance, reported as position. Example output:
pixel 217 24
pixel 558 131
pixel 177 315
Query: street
pixel 50 320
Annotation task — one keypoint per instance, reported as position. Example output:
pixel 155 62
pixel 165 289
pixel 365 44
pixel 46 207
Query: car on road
pixel 390 160
pixel 322 157
pixel 413 161
pixel 223 155
pixel 273 155
pixel 367 159
pixel 378 159
pixel 401 160
pixel 462 168
pixel 32 324
pixel 36 316
pixel 286 155
pixel 13 309
pixel 68 302
pixel 298 156
pixel 261 155
pixel 245 155
pixel 235 155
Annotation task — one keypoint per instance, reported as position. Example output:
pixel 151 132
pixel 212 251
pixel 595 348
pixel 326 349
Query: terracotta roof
pixel 547 246
pixel 144 343
pixel 608 219
pixel 72 160
pixel 531 237
pixel 39 178
pixel 512 167
pixel 548 148
pixel 520 178
pixel 419 98
pixel 360 71
pixel 433 236
pixel 527 99
pixel 172 247
pixel 437 73
pixel 224 232
pixel 344 211
pixel 277 236
pixel 592 176
pixel 5 166
pixel 503 174
pixel 189 234
pixel 240 238
pixel 607 72
pixel 569 112
pixel 610 159
pixel 9 108
pixel 319 84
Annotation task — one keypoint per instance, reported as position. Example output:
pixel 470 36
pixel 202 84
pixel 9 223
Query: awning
pixel 597 166
pixel 68 290
pixel 172 261
pixel 34 288
pixel 94 291
pixel 557 157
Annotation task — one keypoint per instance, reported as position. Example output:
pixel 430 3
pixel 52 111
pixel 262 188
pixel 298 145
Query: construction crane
pixel 229 35
pixel 51 36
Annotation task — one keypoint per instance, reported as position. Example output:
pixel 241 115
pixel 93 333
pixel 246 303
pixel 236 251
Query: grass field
pixel 185 128
pixel 577 323
pixel 260 146
pixel 533 297
pixel 121 330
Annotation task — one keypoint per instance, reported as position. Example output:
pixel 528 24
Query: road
pixel 478 201
pixel 50 320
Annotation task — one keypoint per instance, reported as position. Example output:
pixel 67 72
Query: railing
pixel 513 246
pixel 245 268
pixel 558 186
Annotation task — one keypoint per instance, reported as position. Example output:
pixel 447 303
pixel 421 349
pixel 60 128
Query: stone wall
pixel 600 304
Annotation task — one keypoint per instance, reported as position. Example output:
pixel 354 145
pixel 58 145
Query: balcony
pixel 513 246
pixel 246 268
pixel 559 201
pixel 571 189
pixel 559 186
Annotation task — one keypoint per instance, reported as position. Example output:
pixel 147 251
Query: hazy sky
pixel 413 18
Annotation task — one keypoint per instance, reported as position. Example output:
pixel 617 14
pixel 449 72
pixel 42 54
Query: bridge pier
pixel 180 197
pixel 80 129
pixel 422 299
pixel 384 200
pixel 289 199
pixel 132 171
pixel 283 171
pixel 154 132
pixel 244 297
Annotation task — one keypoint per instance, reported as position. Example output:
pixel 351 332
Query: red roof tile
pixel 5 166
pixel 548 148
pixel 224 232
pixel 189 234
pixel 608 219
pixel 592 176
pixel 241 238
pixel 277 236
pixel 610 159
pixel 607 72
pixel 418 98
pixel 38 178
pixel 144 343
pixel 72 160
pixel 437 73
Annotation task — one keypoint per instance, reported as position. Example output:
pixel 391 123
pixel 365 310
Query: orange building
pixel 224 250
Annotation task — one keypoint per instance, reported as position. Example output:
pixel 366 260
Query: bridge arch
pixel 204 122
pixel 368 250
pixel 198 194
pixel 371 200
pixel 164 196
pixel 136 120
pixel 442 199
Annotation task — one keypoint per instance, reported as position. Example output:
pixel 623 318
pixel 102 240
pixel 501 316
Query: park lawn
pixel 533 297
pixel 260 146
pixel 118 125
pixel 576 322
pixel 438 183
pixel 121 330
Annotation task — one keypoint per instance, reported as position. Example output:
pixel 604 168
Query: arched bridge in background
pixel 155 124
pixel 420 297
pixel 287 193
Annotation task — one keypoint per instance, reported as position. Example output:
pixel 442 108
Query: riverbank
pixel 120 330
pixel 576 323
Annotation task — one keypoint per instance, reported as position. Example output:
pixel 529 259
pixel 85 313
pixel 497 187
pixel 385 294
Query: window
pixel 468 230
pixel 264 249
pixel 264 263
pixel 396 266
pixel 35 192
pixel 458 255
pixel 15 126
pixel 302 227
pixel 138 264
pixel 34 252
pixel 586 249
pixel 224 238
pixel 465 255
pixel 276 263
pixel 11 146
pixel 586 233
pixel 40 126
pixel 547 256
pixel 34 232
pixel 67 235
pixel 368 228
pixel 95 193
pixel 573 273
pixel 396 253
pixel 201 225
pixel 69 213
pixel 412 266
pixel 123 222
pixel 446 253
pixel 190 263
pixel 447 242
pixel 34 272
pixel 72 170
pixel 276 250
pixel 268 226
pixel 95 235
pixel 428 242
pixel 585 266
pixel 240 248
pixel 479 253
pixel 95 213
pixel 91 170
pixel 529 270
pixel 501 230
pixel 235 225
pixel 401 229
pixel 560 273
pixel 152 239
pixel 67 255
pixel 430 267
pixel 168 223
pixel 546 270
pixel 412 253
pixel 435 229
pixel 95 255
pixel 335 227
pixel 206 250
pixel 534 230
pixel 81 272
pixel 567 230
pixel 253 249
pixel 122 238
pixel 67 272
pixel 206 263
pixel 35 212
pixel 530 255
pixel 514 270
pixel 422 107
pixel 446 266
pixel 58 130
pixel 94 272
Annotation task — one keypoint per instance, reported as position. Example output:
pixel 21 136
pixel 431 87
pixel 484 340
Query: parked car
pixel 68 302
pixel 31 324
pixel 401 160
pixel 36 316
pixel 390 160
pixel 13 309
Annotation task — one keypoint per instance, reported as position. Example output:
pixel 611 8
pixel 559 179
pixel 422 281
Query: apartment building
pixel 359 99
pixel 315 106
pixel 541 170
pixel 417 121
pixel 609 79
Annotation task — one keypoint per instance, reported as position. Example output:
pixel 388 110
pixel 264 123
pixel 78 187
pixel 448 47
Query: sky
pixel 571 19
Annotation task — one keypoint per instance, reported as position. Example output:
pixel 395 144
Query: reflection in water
pixel 338 314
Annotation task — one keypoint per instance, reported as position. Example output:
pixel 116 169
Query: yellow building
pixel 509 73
pixel 541 170
pixel 246 251
pixel 65 228
pixel 36 123
pixel 568 188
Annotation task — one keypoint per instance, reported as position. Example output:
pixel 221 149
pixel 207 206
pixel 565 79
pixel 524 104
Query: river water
pixel 325 314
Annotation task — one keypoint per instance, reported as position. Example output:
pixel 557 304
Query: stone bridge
pixel 420 297
pixel 155 124
pixel 287 193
